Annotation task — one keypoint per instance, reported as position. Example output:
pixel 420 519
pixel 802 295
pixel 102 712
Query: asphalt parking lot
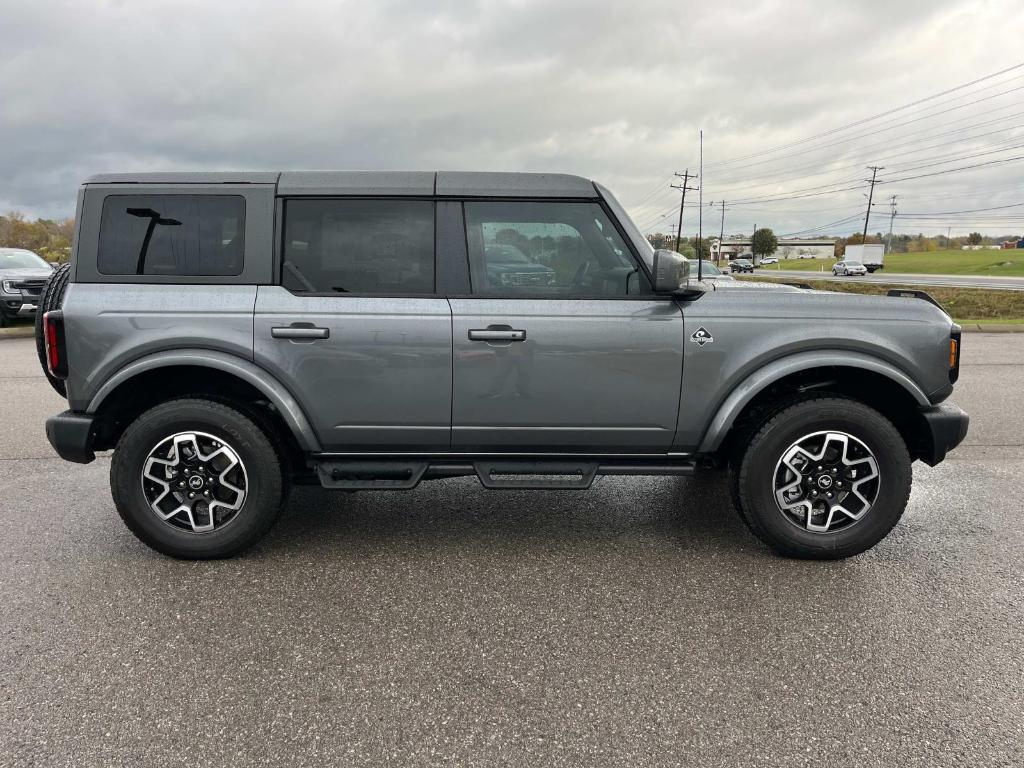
pixel 634 624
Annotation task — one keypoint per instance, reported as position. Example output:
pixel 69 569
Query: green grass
pixel 966 305
pixel 1009 263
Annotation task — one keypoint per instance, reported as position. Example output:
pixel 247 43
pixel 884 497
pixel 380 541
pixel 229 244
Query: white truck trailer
pixel 871 256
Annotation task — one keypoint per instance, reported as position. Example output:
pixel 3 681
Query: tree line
pixel 765 243
pixel 50 239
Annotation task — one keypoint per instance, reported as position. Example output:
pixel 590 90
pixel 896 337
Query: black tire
pixel 51 298
pixel 264 493
pixel 754 483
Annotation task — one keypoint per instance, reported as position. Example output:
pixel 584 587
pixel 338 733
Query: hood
pixel 750 285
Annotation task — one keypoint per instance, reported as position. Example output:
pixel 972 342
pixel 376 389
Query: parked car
pixel 847 268
pixel 741 265
pixel 509 266
pixel 708 270
pixel 770 260
pixel 229 335
pixel 22 277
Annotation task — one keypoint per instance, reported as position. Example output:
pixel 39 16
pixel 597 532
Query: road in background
pixel 945 281
pixel 637 623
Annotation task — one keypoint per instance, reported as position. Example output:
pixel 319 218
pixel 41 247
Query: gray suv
pixel 229 335
pixel 22 277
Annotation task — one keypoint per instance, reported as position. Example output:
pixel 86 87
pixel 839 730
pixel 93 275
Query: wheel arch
pixel 857 375
pixel 228 375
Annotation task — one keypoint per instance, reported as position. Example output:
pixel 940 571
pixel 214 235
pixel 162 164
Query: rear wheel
pixel 196 479
pixel 826 478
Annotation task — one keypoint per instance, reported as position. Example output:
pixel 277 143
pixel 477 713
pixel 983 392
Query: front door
pixel 561 347
pixel 355 330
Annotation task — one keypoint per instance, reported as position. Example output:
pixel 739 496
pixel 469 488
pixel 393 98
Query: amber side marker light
pixel 954 353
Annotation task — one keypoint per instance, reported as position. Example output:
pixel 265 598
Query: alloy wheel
pixel 826 481
pixel 194 482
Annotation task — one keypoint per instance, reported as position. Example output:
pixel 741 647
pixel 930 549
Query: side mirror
pixel 671 272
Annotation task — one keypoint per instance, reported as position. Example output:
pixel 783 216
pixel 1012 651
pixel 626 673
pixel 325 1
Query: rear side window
pixel 359 246
pixel 175 235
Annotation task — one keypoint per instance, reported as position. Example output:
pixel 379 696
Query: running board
pixel 494 474
pixel 371 475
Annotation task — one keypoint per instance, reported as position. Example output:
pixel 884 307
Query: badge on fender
pixel 701 336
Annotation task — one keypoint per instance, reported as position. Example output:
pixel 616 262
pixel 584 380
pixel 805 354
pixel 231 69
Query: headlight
pixel 9 286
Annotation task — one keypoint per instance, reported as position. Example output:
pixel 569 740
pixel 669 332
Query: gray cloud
pixel 615 91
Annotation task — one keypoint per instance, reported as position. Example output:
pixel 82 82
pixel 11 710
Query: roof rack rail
pixel 911 293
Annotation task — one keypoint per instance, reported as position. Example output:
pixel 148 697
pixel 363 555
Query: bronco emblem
pixel 701 336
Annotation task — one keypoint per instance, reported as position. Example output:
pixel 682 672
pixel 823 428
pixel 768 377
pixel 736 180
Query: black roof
pixel 454 183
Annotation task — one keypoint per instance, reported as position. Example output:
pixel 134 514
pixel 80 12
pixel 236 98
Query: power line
pixel 871 118
pixel 953 170
pixel 795 173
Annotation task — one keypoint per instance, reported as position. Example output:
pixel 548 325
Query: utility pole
pixel 892 216
pixel 700 210
pixel 721 233
pixel 683 187
pixel 867 215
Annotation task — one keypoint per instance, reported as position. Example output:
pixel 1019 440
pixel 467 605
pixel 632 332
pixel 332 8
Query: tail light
pixel 56 348
pixel 954 353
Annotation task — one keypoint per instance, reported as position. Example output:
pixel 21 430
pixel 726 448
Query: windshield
pixel 16 258
pixel 853 263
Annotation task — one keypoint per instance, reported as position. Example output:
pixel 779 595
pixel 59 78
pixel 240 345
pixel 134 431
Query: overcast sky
pixel 614 91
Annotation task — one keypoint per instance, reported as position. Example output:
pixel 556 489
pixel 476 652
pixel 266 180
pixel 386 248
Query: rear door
pixel 561 345
pixel 356 329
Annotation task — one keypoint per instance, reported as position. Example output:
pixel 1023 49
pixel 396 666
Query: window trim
pixel 259 213
pixel 199 275
pixel 463 264
pixel 281 214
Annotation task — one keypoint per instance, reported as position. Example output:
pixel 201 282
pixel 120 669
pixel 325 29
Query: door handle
pixel 296 331
pixel 497 334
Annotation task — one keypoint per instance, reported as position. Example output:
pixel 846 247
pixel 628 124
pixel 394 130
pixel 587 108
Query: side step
pixel 371 475
pixel 536 475
pixel 494 474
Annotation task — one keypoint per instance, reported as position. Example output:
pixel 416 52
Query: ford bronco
pixel 230 334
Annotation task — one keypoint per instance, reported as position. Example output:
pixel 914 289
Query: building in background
pixel 788 248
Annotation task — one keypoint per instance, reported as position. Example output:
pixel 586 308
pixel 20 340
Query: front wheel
pixel 826 478
pixel 196 479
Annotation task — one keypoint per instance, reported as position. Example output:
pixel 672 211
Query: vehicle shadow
pixel 681 513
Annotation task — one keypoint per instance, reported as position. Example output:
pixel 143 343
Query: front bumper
pixel 15 307
pixel 72 436
pixel 946 427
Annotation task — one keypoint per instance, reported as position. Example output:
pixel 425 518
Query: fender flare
pixel 768 374
pixel 249 372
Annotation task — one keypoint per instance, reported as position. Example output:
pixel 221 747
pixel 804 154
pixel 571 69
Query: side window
pixel 358 246
pixel 186 235
pixel 548 249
